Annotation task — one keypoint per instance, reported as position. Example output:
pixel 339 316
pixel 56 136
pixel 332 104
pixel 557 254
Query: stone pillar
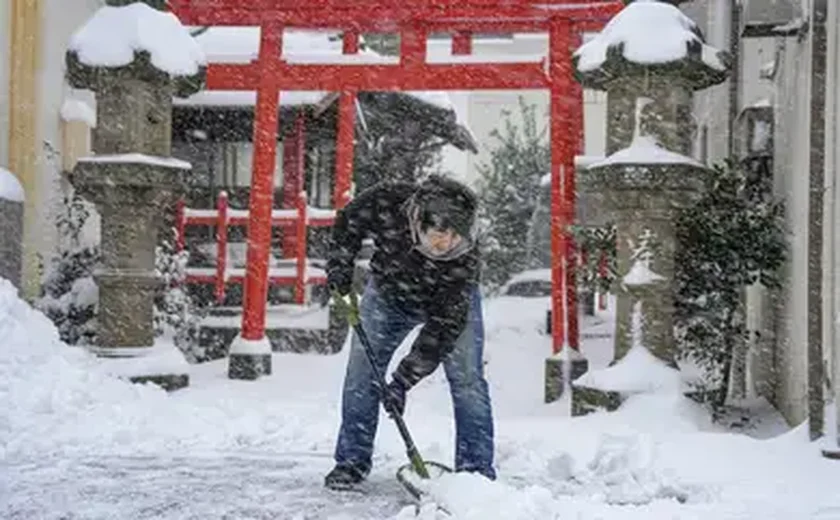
pixel 132 179
pixel 648 175
pixel 11 228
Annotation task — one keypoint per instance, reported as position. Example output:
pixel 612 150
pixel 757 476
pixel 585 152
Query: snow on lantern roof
pixel 651 32
pixel 10 187
pixel 78 110
pixel 645 150
pixel 113 35
pixel 637 372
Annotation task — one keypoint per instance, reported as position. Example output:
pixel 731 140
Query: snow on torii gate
pixel 414 20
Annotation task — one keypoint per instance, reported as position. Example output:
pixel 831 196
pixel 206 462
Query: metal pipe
pixel 816 369
pixel 735 78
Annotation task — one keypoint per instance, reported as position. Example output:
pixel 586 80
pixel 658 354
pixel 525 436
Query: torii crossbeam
pixel 563 20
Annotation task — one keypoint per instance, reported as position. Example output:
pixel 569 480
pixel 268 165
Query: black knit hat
pixel 446 204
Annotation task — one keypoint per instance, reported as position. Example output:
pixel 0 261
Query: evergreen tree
pixel 509 190
pixel 733 237
pixel 69 294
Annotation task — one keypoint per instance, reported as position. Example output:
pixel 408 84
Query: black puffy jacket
pixel 404 277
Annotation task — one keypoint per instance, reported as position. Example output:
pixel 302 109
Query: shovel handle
pixel 351 311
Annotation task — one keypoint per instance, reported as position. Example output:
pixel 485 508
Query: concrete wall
pixel 831 289
pixel 791 163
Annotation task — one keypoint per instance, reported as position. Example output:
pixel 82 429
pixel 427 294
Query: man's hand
pixel 394 397
pixel 338 282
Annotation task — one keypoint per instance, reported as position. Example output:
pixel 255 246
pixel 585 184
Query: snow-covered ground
pixel 77 443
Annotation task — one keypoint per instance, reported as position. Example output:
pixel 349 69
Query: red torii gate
pixel 563 20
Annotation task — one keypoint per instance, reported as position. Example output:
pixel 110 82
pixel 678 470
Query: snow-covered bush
pixel 69 294
pixel 176 315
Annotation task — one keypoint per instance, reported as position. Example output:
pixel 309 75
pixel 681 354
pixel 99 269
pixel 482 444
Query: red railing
pixel 299 273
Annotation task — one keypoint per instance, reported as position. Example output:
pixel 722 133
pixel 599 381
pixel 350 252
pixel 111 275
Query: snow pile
pixel 45 385
pixel 638 371
pixel 623 472
pixel 10 188
pixel 617 470
pixel 651 32
pixel 114 34
pixel 640 274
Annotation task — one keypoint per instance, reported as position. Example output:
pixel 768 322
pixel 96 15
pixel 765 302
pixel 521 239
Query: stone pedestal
pixel 556 370
pixel 130 193
pixel 132 180
pixel 249 360
pixel 642 199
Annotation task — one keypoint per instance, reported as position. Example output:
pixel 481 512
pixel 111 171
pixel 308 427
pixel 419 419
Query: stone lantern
pixel 135 58
pixel 648 174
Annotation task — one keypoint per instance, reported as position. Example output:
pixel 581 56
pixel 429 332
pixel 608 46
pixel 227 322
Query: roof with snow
pixel 648 34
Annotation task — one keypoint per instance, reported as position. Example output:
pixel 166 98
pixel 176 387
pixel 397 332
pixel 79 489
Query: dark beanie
pixel 446 204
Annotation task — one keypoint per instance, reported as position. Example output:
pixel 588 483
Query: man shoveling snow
pixel 424 270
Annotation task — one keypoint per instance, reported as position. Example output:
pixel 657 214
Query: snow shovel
pixel 417 465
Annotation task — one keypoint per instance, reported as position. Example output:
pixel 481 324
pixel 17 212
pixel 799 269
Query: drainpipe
pixel 816 375
pixel 735 77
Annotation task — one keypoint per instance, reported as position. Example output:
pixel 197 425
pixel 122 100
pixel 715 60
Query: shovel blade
pixel 416 485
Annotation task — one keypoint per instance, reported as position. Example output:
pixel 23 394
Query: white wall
pixel 756 53
pixel 485 110
pixel 59 22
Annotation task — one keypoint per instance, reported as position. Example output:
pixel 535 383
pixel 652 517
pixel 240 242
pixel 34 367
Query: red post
pixel 300 231
pixel 180 224
pixel 562 150
pixel 262 187
pixel 570 194
pixel 346 133
pixel 350 42
pixel 413 46
pixel 221 245
pixel 461 43
pixel 293 171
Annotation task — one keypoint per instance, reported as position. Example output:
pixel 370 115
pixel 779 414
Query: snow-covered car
pixel 533 283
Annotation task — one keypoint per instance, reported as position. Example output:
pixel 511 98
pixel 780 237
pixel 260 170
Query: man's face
pixel 441 241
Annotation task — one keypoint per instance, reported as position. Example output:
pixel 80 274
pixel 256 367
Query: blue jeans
pixel 387 324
